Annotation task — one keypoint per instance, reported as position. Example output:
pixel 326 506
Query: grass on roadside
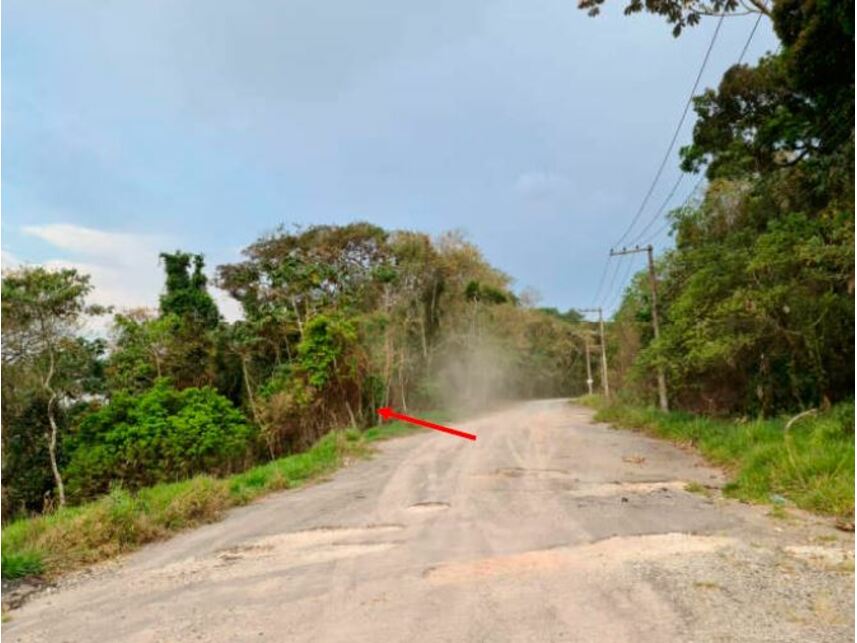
pixel 811 465
pixel 122 521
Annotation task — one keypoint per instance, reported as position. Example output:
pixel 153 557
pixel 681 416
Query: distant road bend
pixel 548 528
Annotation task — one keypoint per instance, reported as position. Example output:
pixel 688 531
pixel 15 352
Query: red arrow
pixel 387 413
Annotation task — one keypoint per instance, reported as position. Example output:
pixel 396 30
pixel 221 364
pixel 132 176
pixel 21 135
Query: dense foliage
pixel 756 304
pixel 757 299
pixel 161 435
pixel 45 363
pixel 338 321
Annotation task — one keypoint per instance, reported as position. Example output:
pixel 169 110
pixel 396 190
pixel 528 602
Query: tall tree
pixel 42 312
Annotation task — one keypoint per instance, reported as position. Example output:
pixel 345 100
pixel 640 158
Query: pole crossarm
pixel 630 251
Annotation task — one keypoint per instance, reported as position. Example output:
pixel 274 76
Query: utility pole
pixel 588 364
pixel 653 285
pixel 605 384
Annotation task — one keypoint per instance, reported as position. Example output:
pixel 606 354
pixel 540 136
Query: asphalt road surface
pixel 548 528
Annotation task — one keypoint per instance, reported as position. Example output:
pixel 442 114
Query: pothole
pixel 611 552
pixel 605 490
pixel 282 551
pixel 428 507
pixel 541 474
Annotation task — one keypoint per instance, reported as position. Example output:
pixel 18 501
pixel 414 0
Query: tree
pixel 140 348
pixel 186 295
pixel 42 311
pixel 758 296
pixel 684 13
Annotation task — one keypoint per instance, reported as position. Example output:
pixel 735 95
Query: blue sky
pixel 134 127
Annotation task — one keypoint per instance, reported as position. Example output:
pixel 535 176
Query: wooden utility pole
pixel 588 364
pixel 653 285
pixel 605 384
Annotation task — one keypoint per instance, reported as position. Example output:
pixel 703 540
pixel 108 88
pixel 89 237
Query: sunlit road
pixel 547 528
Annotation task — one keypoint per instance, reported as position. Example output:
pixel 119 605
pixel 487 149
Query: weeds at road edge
pixel 811 466
pixel 121 521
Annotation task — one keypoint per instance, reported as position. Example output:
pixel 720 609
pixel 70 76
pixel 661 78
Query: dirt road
pixel 547 528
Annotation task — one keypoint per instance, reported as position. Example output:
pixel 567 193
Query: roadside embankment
pixel 121 521
pixel 809 465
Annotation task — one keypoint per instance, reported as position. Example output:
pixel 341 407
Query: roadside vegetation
pixel 175 414
pixel 755 301
pixel 121 521
pixel 810 465
pixel 338 321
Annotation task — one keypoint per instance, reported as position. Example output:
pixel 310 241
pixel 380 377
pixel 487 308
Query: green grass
pixel 811 466
pixel 122 521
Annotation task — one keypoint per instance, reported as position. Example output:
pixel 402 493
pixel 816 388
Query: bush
pixel 160 435
pixel 18 565
pixel 122 521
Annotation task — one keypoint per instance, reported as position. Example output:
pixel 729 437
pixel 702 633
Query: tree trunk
pixel 298 317
pixel 253 409
pixel 157 364
pixel 52 438
pixel 402 381
pixel 52 450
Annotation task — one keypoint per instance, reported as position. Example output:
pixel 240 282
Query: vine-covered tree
pixel 186 295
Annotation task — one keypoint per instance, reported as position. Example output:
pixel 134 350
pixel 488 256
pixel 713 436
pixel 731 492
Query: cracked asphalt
pixel 549 527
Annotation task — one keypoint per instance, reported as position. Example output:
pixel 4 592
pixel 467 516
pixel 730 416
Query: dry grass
pixel 122 521
pixel 811 466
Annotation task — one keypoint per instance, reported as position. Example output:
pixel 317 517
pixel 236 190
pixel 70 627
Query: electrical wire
pixel 660 210
pixel 675 134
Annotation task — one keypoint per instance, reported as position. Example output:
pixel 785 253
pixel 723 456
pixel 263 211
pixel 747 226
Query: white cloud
pixel 124 267
pixel 111 248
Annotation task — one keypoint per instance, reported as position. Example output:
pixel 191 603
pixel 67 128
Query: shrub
pixel 157 436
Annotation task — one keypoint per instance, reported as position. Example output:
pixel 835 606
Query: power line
pixel 660 210
pixel 667 222
pixel 675 134
pixel 749 39
pixel 601 282
pixel 609 291
pixel 826 127
pixel 658 174
pixel 672 192
pixel 617 297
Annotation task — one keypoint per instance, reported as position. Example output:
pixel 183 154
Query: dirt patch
pixel 539 474
pixel 278 552
pixel 609 489
pixel 17 591
pixel 605 553
pixel 821 556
